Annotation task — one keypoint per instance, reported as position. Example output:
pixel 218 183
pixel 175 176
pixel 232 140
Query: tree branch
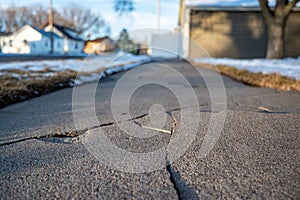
pixel 288 8
pixel 265 9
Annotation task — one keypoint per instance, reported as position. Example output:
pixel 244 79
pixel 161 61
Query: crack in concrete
pixel 169 166
pixel 178 183
pixel 72 134
pixel 173 180
pixel 68 134
pixel 174 124
pixel 183 191
pixel 112 123
pixel 58 134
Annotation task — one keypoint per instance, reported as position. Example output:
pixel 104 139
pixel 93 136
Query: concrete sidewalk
pixel 257 154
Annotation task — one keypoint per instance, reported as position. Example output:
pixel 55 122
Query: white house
pixel 73 44
pixel 30 40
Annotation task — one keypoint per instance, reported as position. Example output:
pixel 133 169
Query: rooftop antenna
pixel 51 26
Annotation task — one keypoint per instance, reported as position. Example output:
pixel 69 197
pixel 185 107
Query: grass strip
pixel 273 80
pixel 13 90
pixel 17 89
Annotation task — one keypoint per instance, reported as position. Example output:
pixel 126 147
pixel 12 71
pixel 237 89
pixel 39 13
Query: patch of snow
pixel 85 79
pixel 112 63
pixel 16 76
pixel 47 74
pixel 226 3
pixel 89 64
pixel 287 67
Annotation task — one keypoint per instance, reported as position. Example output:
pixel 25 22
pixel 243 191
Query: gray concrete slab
pixel 54 168
pixel 255 156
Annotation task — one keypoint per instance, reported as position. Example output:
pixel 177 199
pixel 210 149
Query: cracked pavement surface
pixel 256 156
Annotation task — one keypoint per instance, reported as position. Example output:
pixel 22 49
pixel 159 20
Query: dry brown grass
pixel 255 79
pixel 13 90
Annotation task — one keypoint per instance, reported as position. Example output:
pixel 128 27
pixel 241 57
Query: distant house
pixel 30 40
pixel 231 31
pixel 100 45
pixel 72 43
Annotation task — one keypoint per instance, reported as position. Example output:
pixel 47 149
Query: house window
pixel 33 45
pixel 76 45
pixel 10 43
pixel 4 43
pixel 46 43
pixel 58 44
pixel 25 42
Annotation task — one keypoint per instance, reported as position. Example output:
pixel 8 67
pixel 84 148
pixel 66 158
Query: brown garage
pixel 235 32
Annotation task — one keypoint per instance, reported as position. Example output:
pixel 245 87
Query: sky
pixel 144 15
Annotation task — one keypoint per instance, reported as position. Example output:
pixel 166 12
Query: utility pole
pixel 158 15
pixel 51 27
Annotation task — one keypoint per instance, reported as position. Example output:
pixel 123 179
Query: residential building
pixel 72 43
pixel 30 40
pixel 100 45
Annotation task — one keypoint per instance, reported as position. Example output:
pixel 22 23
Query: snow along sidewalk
pixel 289 67
pixel 111 63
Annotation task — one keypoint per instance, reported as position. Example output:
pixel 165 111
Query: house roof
pixel 227 5
pixel 4 33
pixel 230 9
pixel 66 31
pixel 222 8
pixel 44 33
pixel 223 5
pixel 101 39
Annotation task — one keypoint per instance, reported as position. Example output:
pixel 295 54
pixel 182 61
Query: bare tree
pixel 79 19
pixel 39 16
pixel 9 21
pixel 123 6
pixel 15 17
pixel 275 20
